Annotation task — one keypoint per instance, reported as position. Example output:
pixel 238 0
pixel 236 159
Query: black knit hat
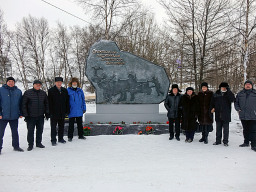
pixel 9 79
pixel 248 81
pixel 58 79
pixel 224 84
pixel 175 86
pixel 37 82
pixel 204 84
pixel 190 88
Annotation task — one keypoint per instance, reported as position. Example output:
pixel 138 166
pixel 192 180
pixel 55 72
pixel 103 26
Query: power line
pixel 65 11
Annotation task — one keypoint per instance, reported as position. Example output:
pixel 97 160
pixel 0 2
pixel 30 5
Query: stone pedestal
pixel 128 113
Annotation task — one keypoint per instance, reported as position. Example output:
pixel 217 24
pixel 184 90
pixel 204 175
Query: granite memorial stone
pixel 128 88
pixel 123 78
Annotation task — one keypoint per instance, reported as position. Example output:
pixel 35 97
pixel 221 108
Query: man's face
pixel 223 89
pixel 10 83
pixel 58 84
pixel 189 92
pixel 37 86
pixel 204 88
pixel 248 86
pixel 175 91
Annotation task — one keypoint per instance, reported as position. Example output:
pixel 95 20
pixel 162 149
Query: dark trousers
pixel 205 131
pixel 190 135
pixel 54 123
pixel 249 131
pixel 219 126
pixel 14 128
pixel 177 127
pixel 79 123
pixel 32 123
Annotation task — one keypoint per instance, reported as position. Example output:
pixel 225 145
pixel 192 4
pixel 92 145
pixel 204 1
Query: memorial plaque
pixel 120 77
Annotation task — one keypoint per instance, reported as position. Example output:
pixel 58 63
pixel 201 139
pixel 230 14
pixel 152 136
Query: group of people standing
pixel 195 112
pixel 192 111
pixel 35 106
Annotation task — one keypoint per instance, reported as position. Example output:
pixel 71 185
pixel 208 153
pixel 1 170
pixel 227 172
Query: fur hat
pixel 224 84
pixel 175 86
pixel 37 82
pixel 190 88
pixel 248 81
pixel 9 79
pixel 58 79
pixel 204 84
pixel 74 79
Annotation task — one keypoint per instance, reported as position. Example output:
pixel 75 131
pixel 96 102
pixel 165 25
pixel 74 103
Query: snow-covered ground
pixel 129 163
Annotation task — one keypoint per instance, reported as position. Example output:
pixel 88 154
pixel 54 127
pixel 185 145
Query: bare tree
pixel 109 12
pixel 202 24
pixel 35 33
pixel 245 23
pixel 20 57
pixel 5 46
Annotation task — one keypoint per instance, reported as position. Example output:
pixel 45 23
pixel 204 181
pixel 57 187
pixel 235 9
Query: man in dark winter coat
pixel 189 104
pixel 246 106
pixel 221 105
pixel 172 106
pixel 59 108
pixel 205 117
pixel 10 111
pixel 35 107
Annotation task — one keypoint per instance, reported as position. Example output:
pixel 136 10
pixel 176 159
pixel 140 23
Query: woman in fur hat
pixel 77 108
pixel 189 104
pixel 205 117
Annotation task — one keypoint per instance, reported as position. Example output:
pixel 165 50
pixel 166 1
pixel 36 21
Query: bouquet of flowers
pixel 118 130
pixel 140 133
pixel 149 130
pixel 87 131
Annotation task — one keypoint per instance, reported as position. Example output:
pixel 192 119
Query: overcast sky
pixel 15 10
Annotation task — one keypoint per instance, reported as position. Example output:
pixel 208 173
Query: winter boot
pixel 62 141
pixel 216 143
pixel 40 145
pixel 206 140
pixel 226 144
pixel 18 149
pixel 30 148
pixel 244 145
pixel 54 143
pixel 82 137
pixel 254 149
pixel 201 140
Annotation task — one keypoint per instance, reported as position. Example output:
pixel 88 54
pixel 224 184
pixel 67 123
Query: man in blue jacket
pixel 10 111
pixel 246 106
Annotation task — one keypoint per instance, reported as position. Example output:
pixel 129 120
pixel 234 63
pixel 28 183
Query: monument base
pixel 128 113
